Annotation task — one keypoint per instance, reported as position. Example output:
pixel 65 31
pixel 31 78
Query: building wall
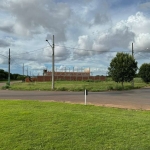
pixel 68 78
pixel 87 74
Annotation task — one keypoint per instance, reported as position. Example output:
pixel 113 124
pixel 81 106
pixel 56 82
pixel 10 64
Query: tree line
pixel 4 76
pixel 123 68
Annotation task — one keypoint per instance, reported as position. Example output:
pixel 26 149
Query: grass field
pixel 34 125
pixel 78 85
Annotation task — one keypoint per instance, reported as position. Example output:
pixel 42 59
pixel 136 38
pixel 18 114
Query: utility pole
pixel 132 51
pixel 27 71
pixel 9 68
pixel 132 82
pixel 23 69
pixel 53 61
pixel 53 73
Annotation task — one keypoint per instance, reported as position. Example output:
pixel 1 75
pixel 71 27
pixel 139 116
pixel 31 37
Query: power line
pixel 32 51
pixel 4 56
pixel 87 49
pixel 28 52
pixel 145 56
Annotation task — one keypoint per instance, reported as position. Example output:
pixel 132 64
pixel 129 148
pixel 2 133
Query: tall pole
pixel 132 82
pixel 23 69
pixel 9 68
pixel 27 71
pixel 53 64
pixel 53 71
pixel 132 51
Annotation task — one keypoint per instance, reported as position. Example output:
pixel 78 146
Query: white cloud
pixel 83 30
pixel 134 29
pixel 60 52
pixel 138 23
pixel 84 47
pixel 32 15
pixel 142 42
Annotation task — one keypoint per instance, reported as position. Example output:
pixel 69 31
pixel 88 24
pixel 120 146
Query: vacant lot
pixel 29 125
pixel 78 85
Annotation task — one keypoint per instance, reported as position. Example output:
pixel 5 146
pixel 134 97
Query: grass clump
pixel 29 125
pixel 61 89
pixel 7 86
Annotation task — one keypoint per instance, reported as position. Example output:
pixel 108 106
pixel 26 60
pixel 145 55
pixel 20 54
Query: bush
pixel 7 86
pixel 144 72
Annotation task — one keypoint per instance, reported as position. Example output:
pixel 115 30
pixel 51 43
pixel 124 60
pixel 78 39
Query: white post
pixel 85 96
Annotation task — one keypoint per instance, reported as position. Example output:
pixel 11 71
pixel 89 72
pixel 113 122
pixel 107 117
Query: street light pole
pixel 132 82
pixel 9 68
pixel 53 60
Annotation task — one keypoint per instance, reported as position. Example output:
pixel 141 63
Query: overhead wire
pixel 86 49
pixel 145 56
pixel 39 49
pixel 32 51
pixel 4 56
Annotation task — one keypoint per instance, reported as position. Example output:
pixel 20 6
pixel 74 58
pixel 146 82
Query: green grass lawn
pixel 35 125
pixel 78 85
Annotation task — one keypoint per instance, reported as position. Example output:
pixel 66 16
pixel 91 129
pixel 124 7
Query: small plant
pixel 7 86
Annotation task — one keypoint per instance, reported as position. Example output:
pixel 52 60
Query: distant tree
pixel 144 72
pixel 15 76
pixel 1 70
pixel 3 75
pixel 122 68
pixel 21 77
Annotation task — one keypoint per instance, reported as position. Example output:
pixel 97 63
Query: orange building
pixel 69 76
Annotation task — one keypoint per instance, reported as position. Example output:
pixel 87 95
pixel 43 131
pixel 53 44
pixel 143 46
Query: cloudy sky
pixel 88 33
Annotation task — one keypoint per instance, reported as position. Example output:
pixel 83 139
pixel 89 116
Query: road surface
pixel 135 99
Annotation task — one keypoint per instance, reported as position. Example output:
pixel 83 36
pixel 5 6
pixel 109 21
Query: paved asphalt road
pixel 135 99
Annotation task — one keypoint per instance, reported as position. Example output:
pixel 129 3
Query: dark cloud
pixel 4 43
pixel 101 18
pixel 121 38
pixel 31 16
pixel 8 28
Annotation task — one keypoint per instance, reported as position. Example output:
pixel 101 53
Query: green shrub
pixel 144 72
pixel 7 86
